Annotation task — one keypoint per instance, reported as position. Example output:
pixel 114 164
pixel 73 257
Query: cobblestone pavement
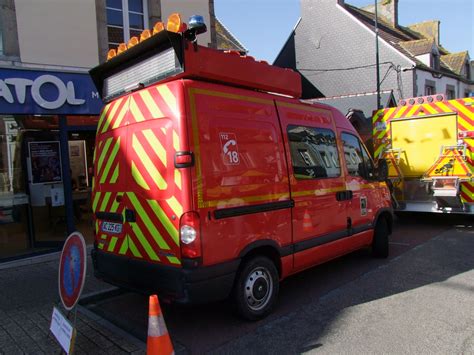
pixel 27 296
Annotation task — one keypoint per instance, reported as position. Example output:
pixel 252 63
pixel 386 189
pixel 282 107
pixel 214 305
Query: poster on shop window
pixel 45 162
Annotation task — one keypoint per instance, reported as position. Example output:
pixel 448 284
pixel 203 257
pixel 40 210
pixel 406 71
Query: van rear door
pixel 152 190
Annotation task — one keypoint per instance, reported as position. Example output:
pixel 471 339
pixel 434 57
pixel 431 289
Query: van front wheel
pixel 380 244
pixel 256 288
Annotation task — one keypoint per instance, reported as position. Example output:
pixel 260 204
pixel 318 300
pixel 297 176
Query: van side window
pixel 313 152
pixel 356 156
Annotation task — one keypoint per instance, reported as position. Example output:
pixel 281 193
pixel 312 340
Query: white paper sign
pixel 57 195
pixel 62 330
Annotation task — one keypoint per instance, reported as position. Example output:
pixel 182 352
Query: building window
pixel 435 61
pixel 125 19
pixel 313 152
pixel 430 87
pixel 450 92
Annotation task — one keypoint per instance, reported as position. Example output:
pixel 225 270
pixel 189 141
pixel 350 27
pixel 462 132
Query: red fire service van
pixel 212 179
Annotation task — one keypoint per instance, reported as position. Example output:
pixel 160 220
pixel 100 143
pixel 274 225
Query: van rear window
pixel 313 152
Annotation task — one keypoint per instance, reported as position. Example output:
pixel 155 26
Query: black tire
pixel 380 245
pixel 256 288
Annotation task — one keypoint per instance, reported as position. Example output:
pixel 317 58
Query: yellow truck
pixel 428 143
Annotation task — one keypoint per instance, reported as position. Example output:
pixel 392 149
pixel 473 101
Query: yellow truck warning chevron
pixel 428 143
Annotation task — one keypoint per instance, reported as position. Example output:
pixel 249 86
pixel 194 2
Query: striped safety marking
pixel 464 110
pixel 154 236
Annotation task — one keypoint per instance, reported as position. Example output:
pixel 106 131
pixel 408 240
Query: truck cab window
pixel 358 161
pixel 310 151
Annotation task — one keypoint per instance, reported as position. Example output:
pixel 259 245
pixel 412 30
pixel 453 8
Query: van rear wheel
pixel 380 245
pixel 256 288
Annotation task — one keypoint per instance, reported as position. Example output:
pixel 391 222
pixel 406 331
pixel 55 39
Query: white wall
pixel 187 8
pixel 441 83
pixel 58 32
pixel 425 59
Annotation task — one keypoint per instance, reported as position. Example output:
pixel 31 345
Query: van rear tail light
pixel 190 235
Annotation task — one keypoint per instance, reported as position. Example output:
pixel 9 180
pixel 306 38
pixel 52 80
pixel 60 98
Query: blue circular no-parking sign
pixel 72 270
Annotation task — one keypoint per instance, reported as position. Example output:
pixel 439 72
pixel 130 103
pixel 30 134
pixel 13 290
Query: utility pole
pixel 377 60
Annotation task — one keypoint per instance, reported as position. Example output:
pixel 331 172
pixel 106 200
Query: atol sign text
pixel 45 92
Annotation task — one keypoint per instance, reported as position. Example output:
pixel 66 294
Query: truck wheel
pixel 380 247
pixel 256 288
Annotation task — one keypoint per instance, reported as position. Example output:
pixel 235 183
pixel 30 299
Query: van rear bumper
pixel 177 284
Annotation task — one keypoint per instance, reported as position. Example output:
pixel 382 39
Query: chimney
pixel 389 9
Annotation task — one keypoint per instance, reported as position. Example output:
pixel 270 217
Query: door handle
pixel 344 195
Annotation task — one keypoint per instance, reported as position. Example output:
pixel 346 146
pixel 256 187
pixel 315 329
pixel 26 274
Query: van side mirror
pixel 382 170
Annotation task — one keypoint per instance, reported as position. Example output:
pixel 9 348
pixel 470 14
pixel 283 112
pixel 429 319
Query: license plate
pixel 111 227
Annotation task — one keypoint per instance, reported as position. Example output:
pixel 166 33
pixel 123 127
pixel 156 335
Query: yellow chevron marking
pixel 96 226
pixel 151 104
pixel 464 123
pixel 112 244
pixel 169 226
pixel 103 153
pixel 112 115
pixel 174 260
pixel 102 116
pixel 400 112
pixel 149 165
pixel 103 236
pixel 143 241
pixel 156 145
pixel 105 201
pixel 169 98
pixel 147 221
pixel 121 115
pixel 124 247
pixel 379 150
pixel 115 174
pixel 175 206
pixel 177 178
pixel 175 140
pixel 412 110
pixel 430 109
pixel 133 248
pixel 100 245
pixel 463 109
pixel 110 161
pixel 96 200
pixel 385 119
pixel 138 177
pixel 467 191
pixel 444 107
pixel 115 204
pixel 137 114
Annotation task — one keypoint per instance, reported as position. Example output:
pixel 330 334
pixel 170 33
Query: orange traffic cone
pixel 158 341
pixel 307 225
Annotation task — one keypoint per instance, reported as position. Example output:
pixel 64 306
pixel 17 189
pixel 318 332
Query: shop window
pixel 125 19
pixel 313 152
pixel 356 157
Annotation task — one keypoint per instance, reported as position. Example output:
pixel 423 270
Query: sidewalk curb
pixel 38 259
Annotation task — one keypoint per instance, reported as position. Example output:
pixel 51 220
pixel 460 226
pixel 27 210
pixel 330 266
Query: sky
pixel 263 26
